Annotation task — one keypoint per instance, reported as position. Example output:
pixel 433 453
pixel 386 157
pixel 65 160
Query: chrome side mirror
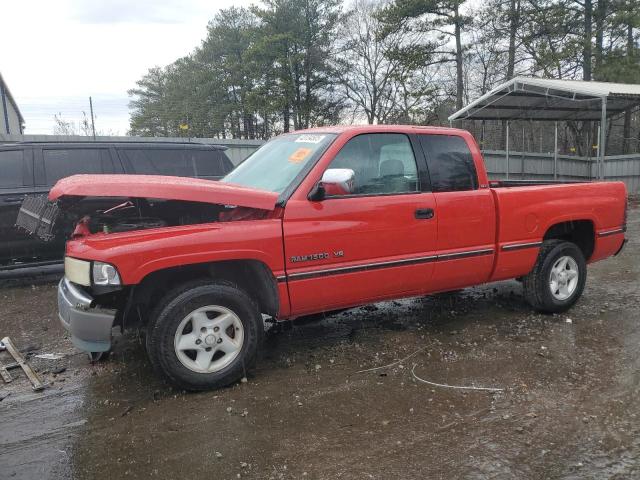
pixel 335 181
pixel 338 181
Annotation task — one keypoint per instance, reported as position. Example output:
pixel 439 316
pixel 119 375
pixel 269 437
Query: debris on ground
pixel 394 363
pixel 50 356
pixel 486 389
pixel 127 411
pixel 30 348
pixel 7 344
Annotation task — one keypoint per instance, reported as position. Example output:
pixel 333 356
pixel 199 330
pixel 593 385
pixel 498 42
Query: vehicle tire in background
pixel 558 277
pixel 204 335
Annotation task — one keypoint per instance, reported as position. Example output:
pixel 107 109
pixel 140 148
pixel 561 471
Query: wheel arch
pixel 252 276
pixel 581 232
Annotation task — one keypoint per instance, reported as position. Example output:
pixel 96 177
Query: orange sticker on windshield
pixel 299 155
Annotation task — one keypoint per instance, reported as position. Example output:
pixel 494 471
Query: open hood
pixel 163 187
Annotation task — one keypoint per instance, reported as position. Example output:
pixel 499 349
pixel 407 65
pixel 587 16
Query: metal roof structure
pixel 528 98
pixel 541 99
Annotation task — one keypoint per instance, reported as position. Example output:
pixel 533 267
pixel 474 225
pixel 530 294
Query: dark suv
pixel 33 168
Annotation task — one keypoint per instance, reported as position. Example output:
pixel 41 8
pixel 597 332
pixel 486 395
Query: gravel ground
pixel 568 406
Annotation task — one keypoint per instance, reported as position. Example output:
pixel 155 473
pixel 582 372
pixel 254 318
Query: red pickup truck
pixel 316 221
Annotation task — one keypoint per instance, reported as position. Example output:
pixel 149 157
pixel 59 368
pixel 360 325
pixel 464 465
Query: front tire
pixel 204 335
pixel 557 280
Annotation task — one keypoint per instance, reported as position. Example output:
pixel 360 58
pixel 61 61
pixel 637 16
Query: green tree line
pixel 282 65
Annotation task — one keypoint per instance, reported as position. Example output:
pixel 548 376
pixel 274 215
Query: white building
pixel 11 120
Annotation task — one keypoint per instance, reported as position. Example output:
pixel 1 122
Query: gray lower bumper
pixel 90 327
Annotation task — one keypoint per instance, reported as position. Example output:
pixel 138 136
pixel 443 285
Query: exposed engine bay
pixel 142 214
pixel 89 215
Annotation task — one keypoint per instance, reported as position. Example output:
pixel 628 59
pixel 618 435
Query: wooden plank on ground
pixel 29 372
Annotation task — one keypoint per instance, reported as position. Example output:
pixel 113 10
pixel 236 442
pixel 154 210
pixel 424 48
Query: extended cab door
pixel 466 211
pixel 375 243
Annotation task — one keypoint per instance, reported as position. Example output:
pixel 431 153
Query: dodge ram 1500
pixel 316 221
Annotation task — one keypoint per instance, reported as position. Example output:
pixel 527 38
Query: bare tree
pixel 486 61
pixel 69 127
pixel 62 126
pixel 366 66
pixel 420 94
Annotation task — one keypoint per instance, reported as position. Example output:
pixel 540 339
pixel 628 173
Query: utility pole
pixel 93 125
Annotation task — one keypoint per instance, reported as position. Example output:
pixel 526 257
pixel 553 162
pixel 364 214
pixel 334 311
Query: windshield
pixel 275 165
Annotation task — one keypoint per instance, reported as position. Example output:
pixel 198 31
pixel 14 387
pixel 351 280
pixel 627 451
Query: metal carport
pixel 528 98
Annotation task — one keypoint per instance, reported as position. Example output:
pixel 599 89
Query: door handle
pixel 424 213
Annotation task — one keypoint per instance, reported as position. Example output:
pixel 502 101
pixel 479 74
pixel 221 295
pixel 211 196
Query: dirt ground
pixel 569 406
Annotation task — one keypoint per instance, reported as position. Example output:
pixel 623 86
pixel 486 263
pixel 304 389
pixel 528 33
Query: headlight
pixel 77 271
pixel 105 274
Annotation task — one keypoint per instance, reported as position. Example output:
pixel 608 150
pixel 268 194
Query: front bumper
pixel 90 327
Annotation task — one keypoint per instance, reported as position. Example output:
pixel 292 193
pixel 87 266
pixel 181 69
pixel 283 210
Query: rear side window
pixel 61 163
pixel 152 161
pixel 12 168
pixel 210 163
pixel 450 163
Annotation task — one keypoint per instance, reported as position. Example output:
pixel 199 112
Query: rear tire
pixel 204 335
pixel 557 280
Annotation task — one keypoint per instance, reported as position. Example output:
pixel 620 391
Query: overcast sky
pixel 57 53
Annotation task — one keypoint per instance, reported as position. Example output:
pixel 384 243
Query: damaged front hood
pixel 163 187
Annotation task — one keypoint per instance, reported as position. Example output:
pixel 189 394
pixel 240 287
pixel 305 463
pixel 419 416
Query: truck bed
pixel 527 212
